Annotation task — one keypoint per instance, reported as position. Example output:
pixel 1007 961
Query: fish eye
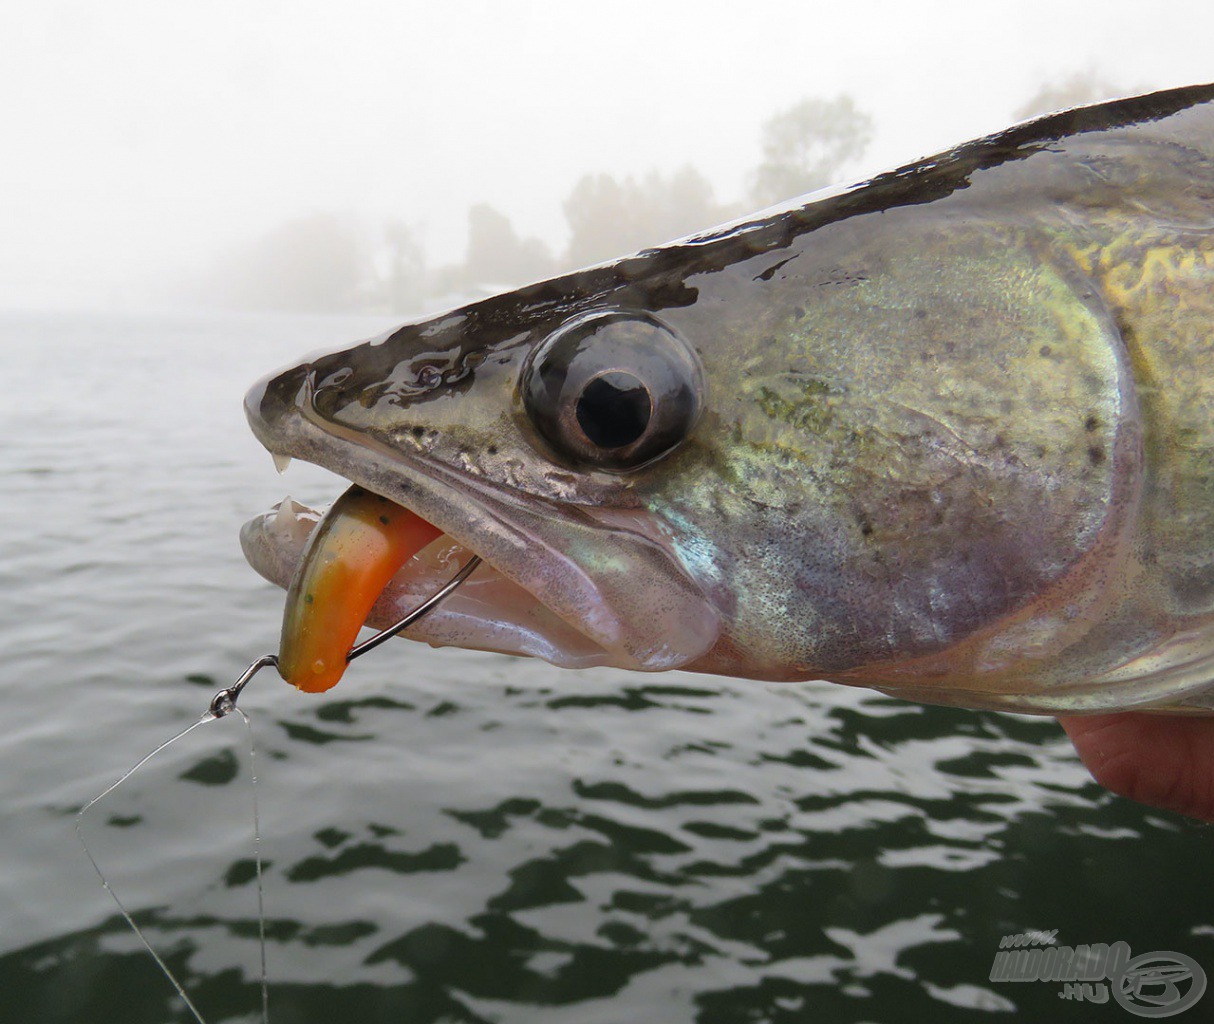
pixel 612 390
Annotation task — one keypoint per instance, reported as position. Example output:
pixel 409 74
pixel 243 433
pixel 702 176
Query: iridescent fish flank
pixel 948 433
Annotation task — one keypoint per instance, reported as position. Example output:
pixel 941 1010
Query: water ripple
pixel 461 837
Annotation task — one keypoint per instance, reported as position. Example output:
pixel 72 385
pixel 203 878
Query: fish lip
pixel 268 410
pixel 480 516
pixel 274 543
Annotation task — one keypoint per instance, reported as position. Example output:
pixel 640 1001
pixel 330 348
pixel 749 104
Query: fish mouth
pixel 531 595
pixel 488 612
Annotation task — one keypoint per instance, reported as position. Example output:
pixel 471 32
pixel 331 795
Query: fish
pixel 947 433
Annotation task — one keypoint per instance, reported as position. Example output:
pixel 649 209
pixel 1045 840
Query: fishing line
pixel 227 705
pixel 223 704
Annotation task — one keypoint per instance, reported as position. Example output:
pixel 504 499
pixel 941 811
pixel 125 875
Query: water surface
pixel 456 837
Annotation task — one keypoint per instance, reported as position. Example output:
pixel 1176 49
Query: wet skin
pixel 948 434
pixel 1160 760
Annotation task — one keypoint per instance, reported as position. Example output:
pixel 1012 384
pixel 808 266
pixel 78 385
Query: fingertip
pixel 1161 760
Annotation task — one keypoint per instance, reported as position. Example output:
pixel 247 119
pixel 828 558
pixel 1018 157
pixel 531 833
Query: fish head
pixel 905 434
pixel 528 428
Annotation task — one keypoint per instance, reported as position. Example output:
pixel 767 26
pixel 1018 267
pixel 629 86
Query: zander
pixel 948 434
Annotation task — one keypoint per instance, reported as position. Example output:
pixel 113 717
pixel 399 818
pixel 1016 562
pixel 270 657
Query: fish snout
pixel 274 402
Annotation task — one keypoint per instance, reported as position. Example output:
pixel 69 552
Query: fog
pixel 147 146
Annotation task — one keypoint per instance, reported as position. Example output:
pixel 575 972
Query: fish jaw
pixel 487 612
pixel 575 585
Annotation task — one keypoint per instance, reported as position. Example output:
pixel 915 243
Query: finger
pixel 1162 760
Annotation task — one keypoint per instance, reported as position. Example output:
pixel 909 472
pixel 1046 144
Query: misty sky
pixel 142 138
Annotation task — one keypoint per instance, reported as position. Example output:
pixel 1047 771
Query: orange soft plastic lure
pixel 357 547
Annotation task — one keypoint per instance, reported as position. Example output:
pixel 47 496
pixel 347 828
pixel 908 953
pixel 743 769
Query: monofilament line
pixel 261 919
pixel 223 704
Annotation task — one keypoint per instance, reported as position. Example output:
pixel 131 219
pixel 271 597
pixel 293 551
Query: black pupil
pixel 613 410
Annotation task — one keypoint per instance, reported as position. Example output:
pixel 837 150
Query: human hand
pixel 1163 760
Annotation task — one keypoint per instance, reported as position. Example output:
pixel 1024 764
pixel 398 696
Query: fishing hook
pixel 224 702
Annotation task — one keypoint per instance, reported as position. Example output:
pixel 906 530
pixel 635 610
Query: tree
pixel 1083 87
pixel 316 263
pixel 609 218
pixel 496 254
pixel 599 218
pixel 808 145
pixel 404 280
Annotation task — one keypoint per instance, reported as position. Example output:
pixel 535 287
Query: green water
pixel 460 837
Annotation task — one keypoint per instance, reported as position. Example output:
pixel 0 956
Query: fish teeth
pixel 281 462
pixel 290 507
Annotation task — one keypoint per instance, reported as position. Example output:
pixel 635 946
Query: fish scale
pixel 948 433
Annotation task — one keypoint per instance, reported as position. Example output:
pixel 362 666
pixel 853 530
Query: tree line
pixel 331 262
